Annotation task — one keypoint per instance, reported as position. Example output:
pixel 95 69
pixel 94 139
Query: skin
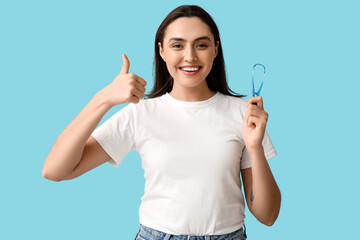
pixel 189 52
pixel 262 194
pixel 261 191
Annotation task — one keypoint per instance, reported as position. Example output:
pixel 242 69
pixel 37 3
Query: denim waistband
pixel 147 233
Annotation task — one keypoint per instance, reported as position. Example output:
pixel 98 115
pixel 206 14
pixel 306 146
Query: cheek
pixel 173 61
pixel 209 60
pixel 171 67
pixel 211 55
pixel 173 56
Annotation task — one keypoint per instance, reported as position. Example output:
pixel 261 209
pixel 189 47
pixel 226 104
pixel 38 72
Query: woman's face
pixel 188 42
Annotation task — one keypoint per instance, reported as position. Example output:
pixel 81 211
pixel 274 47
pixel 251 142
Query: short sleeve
pixel 117 134
pixel 269 151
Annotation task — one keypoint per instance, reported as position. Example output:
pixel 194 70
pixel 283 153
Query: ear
pixel 216 49
pixel 161 51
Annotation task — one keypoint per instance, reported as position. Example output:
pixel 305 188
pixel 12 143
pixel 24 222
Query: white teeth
pixel 190 69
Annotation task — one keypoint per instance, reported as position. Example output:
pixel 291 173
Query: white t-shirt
pixel 191 153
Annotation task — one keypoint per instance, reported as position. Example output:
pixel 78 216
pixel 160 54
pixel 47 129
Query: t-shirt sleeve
pixel 117 134
pixel 269 151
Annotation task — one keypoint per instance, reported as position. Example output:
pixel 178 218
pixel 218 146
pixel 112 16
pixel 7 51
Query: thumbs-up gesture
pixel 126 87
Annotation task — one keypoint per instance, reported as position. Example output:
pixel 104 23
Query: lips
pixel 192 68
pixel 191 71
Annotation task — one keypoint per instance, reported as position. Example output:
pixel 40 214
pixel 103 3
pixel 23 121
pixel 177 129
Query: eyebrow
pixel 183 40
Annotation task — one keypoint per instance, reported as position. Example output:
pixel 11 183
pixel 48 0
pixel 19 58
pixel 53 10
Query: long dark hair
pixel 216 80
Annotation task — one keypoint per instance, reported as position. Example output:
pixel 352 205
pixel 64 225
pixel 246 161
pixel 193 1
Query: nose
pixel 190 55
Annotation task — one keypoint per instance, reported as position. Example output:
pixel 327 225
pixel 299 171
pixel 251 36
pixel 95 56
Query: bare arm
pixel 261 191
pixel 75 151
pixel 68 148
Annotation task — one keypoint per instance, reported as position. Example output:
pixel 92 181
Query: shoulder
pixel 233 98
pixel 233 102
pixel 146 105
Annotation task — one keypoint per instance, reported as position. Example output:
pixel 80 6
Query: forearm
pixel 68 148
pixel 265 195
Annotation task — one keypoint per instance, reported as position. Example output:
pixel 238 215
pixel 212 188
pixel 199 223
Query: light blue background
pixel 55 56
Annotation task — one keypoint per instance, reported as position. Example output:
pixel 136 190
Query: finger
pixel 140 87
pixel 256 122
pixel 258 100
pixel 137 93
pixel 251 121
pixel 257 112
pixel 254 110
pixel 134 99
pixel 141 81
pixel 126 64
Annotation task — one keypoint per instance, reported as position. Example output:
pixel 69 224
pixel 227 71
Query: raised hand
pixel 254 125
pixel 126 87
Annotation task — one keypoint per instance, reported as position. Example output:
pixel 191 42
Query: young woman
pixel 193 136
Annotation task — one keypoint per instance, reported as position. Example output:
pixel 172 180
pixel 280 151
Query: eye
pixel 176 46
pixel 202 45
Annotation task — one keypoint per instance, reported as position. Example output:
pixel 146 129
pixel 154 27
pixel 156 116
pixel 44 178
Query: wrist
pixel 255 150
pixel 101 99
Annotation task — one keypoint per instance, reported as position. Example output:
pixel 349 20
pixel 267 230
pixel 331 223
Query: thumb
pixel 126 64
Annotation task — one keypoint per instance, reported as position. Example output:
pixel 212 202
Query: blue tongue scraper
pixel 255 94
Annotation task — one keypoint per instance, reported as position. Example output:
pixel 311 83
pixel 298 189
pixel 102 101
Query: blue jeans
pixel 146 233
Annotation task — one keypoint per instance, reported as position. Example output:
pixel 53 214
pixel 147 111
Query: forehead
pixel 188 28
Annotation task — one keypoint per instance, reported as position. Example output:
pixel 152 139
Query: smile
pixel 190 70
